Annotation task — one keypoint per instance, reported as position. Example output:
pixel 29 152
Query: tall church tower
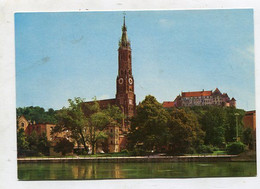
pixel 125 97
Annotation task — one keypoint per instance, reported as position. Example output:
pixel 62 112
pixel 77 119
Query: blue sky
pixel 74 54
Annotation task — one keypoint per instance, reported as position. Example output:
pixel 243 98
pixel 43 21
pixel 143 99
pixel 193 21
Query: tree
pixel 86 121
pixel 74 120
pixel 38 144
pixel 98 120
pixel 32 143
pixel 22 144
pixel 235 148
pixel 64 146
pixel 184 131
pixel 43 144
pixel 214 124
pixel 232 122
pixel 248 137
pixel 219 123
pixel 149 126
pixel 37 114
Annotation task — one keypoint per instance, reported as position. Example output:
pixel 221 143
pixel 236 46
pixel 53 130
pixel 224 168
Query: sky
pixel 60 56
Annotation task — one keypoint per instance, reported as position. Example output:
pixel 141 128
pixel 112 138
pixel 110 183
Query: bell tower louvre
pixel 125 97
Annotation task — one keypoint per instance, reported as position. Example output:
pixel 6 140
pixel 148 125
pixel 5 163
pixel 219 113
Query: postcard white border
pixel 8 167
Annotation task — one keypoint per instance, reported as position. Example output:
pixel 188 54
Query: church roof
pixel 104 103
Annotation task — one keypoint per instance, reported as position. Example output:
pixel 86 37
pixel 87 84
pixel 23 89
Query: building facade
pixel 201 98
pixel 43 128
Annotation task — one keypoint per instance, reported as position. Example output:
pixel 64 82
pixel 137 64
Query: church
pixel 124 99
pixel 125 96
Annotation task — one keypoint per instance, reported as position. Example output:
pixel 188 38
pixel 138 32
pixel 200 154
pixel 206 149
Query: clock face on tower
pixel 120 81
pixel 130 81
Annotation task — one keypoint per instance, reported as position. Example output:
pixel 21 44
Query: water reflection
pixel 69 171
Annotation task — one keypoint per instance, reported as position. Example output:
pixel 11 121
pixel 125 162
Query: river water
pixel 83 170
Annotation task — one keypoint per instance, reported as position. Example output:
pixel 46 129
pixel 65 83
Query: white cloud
pixel 246 52
pixel 166 22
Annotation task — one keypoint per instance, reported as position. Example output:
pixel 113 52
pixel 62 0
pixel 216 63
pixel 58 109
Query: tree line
pixel 153 128
pixel 185 130
pixel 85 123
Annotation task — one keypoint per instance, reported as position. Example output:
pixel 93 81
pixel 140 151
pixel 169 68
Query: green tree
pixel 248 137
pixel 214 124
pixel 37 114
pixel 234 148
pixel 232 121
pixel 86 121
pixel 185 132
pixel 38 144
pixel 22 144
pixel 32 143
pixel 219 123
pixel 64 146
pixel 149 126
pixel 43 144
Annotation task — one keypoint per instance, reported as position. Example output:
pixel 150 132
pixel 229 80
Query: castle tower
pixel 125 97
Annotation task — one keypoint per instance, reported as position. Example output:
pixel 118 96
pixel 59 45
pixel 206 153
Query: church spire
pixel 124 27
pixel 124 39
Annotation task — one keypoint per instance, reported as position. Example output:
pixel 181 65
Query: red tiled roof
pixel 168 104
pixel 196 93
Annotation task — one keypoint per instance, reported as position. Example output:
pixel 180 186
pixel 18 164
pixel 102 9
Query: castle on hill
pixel 201 98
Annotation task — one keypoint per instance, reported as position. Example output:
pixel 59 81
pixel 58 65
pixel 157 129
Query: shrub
pixel 64 146
pixel 235 148
pixel 215 148
pixel 138 152
pixel 191 150
pixel 205 149
pixel 124 151
pixel 80 151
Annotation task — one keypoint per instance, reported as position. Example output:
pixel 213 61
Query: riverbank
pixel 135 159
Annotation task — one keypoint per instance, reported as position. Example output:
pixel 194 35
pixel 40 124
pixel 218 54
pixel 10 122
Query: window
pixel 111 142
pixel 111 130
pixel 22 124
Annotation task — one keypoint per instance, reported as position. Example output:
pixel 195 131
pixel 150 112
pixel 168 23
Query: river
pixel 85 170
